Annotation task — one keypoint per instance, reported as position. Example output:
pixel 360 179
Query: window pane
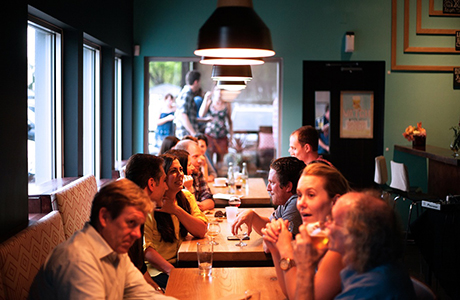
pixel 117 111
pixel 255 110
pixel 91 162
pixel 43 55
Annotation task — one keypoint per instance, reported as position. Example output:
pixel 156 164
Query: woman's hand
pixel 169 206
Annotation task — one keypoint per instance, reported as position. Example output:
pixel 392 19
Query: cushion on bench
pixel 22 255
pixel 74 203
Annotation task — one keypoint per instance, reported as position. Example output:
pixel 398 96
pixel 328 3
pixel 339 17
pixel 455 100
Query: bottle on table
pixel 245 176
pixel 231 179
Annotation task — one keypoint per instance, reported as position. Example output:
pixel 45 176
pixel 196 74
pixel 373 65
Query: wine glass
pixel 234 201
pixel 213 231
pixel 242 232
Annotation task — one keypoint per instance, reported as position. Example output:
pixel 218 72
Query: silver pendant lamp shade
pixel 234 31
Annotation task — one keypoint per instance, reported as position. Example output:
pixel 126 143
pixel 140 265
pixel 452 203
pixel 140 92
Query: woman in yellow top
pixel 166 227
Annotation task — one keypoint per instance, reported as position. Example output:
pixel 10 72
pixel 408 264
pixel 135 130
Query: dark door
pixel 336 80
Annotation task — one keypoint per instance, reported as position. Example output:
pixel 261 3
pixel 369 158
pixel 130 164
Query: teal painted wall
pixel 313 30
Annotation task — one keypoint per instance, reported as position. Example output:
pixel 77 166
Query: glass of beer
pixel 317 232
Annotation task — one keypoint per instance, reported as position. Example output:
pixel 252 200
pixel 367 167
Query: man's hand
pixel 244 217
pixel 305 254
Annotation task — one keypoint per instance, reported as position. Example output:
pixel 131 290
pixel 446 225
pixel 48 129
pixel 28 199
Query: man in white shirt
pixel 93 263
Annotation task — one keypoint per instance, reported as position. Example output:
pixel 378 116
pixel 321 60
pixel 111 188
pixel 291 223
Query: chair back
pixel 399 177
pixel 74 203
pixel 381 172
pixel 422 292
pixel 22 255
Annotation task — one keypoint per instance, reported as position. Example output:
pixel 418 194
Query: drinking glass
pixel 204 253
pixel 234 201
pixel 213 231
pixel 242 232
pixel 318 235
pixel 231 212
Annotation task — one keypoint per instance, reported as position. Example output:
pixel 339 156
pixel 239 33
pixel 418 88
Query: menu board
pixel 357 114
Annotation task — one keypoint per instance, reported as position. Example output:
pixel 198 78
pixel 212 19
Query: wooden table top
pixel 257 194
pixel 224 283
pixel 226 251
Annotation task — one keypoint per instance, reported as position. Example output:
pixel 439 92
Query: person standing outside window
pixel 220 125
pixel 186 114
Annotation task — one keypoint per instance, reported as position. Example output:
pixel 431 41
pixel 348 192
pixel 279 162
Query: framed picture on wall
pixel 357 114
pixel 456 78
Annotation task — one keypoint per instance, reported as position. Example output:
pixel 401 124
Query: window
pixel 44 101
pixel 117 112
pixel 91 110
pixel 255 110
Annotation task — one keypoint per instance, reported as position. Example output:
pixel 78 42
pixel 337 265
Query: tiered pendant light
pixel 234 30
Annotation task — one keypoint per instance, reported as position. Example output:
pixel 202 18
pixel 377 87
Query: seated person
pixel 282 186
pixel 187 167
pixel 168 143
pixel 208 168
pixel 366 231
pixel 303 144
pixel 147 172
pixel 203 194
pixel 319 187
pixel 167 227
pixel 93 263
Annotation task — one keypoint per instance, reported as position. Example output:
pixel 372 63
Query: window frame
pixel 57 138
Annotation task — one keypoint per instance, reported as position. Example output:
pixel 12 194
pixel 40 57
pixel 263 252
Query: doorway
pixel 354 94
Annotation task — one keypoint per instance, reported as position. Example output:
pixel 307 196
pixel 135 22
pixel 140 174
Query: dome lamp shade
pixel 234 30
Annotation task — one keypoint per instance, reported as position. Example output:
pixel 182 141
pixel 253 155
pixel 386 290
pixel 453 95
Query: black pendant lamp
pixel 235 31
pixel 231 73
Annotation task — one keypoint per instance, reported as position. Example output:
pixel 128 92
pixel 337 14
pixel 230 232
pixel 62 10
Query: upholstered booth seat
pixel 22 255
pixel 74 203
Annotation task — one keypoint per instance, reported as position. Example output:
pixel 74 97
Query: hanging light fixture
pixel 231 85
pixel 234 30
pixel 232 61
pixel 231 73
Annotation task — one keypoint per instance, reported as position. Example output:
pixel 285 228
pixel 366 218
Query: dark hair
pixel 192 76
pixel 307 135
pixel 182 156
pixel 168 95
pixel 288 169
pixel 168 143
pixel 141 167
pixel 117 195
pixel 164 221
pixel 202 137
pixel 189 137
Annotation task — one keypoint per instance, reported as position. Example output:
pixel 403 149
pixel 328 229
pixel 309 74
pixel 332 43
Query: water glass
pixel 231 212
pixel 204 253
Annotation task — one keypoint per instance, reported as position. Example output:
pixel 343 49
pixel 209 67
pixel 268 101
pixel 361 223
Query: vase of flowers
pixel 455 145
pixel 416 135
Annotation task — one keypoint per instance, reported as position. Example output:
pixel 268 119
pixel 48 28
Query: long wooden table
pixel 227 253
pixel 224 283
pixel 256 195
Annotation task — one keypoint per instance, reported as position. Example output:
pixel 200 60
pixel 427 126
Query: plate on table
pixel 225 196
pixel 219 185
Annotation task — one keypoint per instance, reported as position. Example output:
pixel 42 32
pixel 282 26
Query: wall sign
pixel 357 114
